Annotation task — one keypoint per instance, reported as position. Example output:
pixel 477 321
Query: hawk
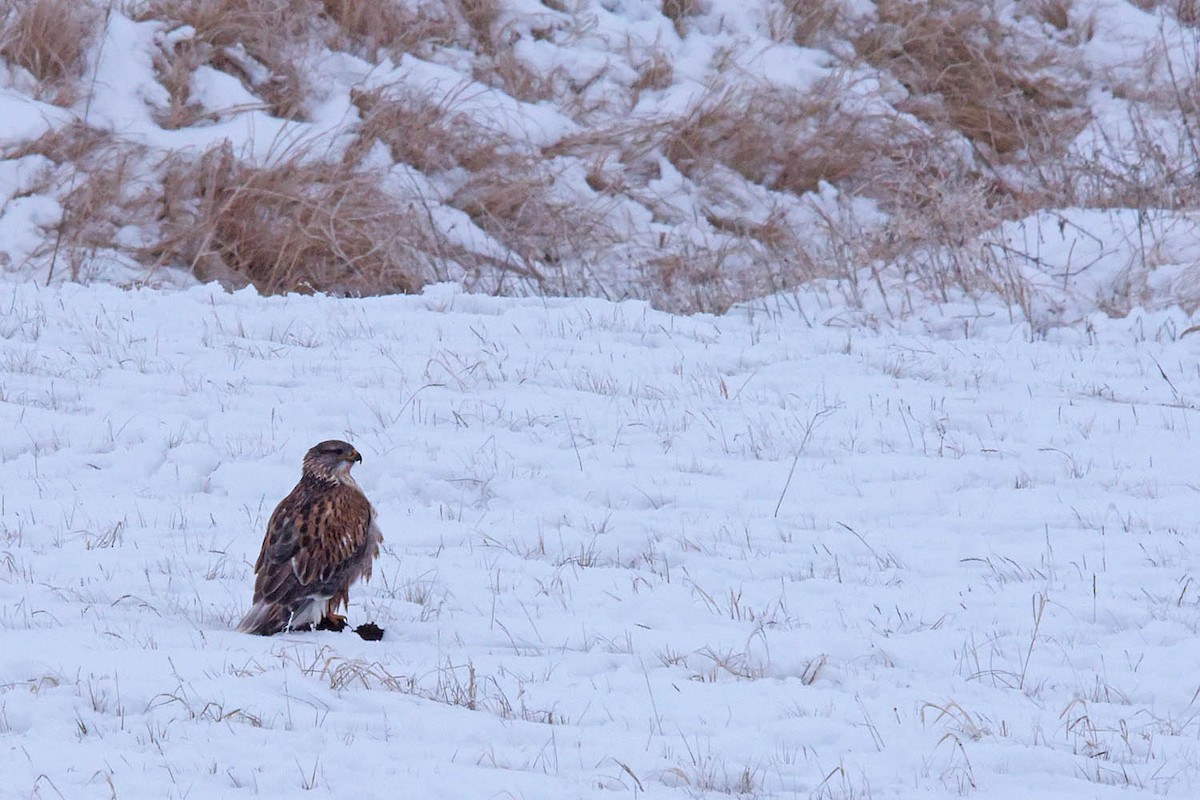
pixel 321 539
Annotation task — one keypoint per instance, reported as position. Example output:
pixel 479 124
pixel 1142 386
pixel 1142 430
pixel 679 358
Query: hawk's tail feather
pixel 264 619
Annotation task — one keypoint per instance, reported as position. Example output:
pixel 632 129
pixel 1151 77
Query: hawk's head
pixel 331 461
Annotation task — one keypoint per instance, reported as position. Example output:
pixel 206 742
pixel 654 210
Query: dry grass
pixel 369 27
pixel 99 183
pixel 807 22
pixel 482 20
pixel 654 72
pixel 430 136
pixel 507 71
pixel 1136 173
pixel 50 39
pixel 497 63
pixel 516 204
pixel 799 140
pixel 963 70
pixel 1186 11
pixel 507 191
pixel 969 128
pixel 1054 12
pixel 263 43
pixel 296 225
pixel 678 11
pixel 175 67
pixel 76 143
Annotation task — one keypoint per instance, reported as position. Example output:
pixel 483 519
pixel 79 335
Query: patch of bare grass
pixel 1136 172
pixel 1056 13
pixel 507 71
pixel 50 39
pixel 964 70
pixel 175 64
pixel 482 20
pixel 553 238
pixel 515 202
pixel 1186 11
pixel 807 22
pixel 369 27
pixel 680 11
pixel 654 72
pixel 508 191
pixel 295 225
pixel 99 182
pixel 798 139
pixel 430 136
pixel 263 43
pixel 76 143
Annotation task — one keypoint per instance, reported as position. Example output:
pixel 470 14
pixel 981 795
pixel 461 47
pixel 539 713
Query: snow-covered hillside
pixel 627 553
pixel 695 153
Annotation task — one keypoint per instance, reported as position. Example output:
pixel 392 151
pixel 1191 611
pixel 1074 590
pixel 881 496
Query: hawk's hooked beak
pixel 355 456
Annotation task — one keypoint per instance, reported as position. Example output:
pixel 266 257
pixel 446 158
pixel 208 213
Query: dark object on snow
pixel 371 632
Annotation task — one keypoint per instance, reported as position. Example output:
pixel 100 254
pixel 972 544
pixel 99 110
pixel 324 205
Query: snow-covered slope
pixel 695 153
pixel 627 553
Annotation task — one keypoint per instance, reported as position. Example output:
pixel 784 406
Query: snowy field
pixel 627 553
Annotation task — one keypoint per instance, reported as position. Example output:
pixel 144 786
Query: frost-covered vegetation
pixel 694 153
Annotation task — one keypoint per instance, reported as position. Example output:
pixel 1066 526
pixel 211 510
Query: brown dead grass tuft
pixel 1056 13
pixel 654 72
pixel 798 140
pixel 514 204
pixel 74 142
pixel 369 27
pixel 1136 172
pixel 807 22
pixel 50 39
pixel 422 133
pixel 1186 11
pixel 98 180
pixel 482 20
pixel 175 67
pixel 678 11
pixel 963 70
pixel 295 225
pixel 507 71
pixel 262 43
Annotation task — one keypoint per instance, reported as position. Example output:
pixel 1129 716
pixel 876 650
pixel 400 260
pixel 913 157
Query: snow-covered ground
pixel 627 553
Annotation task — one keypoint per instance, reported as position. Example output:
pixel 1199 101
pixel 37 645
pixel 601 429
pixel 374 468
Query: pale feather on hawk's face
pixel 321 538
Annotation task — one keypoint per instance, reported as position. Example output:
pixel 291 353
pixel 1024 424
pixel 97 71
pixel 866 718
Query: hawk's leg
pixel 332 622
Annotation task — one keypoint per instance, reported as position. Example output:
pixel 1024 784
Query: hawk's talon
pixel 332 622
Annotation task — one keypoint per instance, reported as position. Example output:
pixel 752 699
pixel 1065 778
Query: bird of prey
pixel 320 540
